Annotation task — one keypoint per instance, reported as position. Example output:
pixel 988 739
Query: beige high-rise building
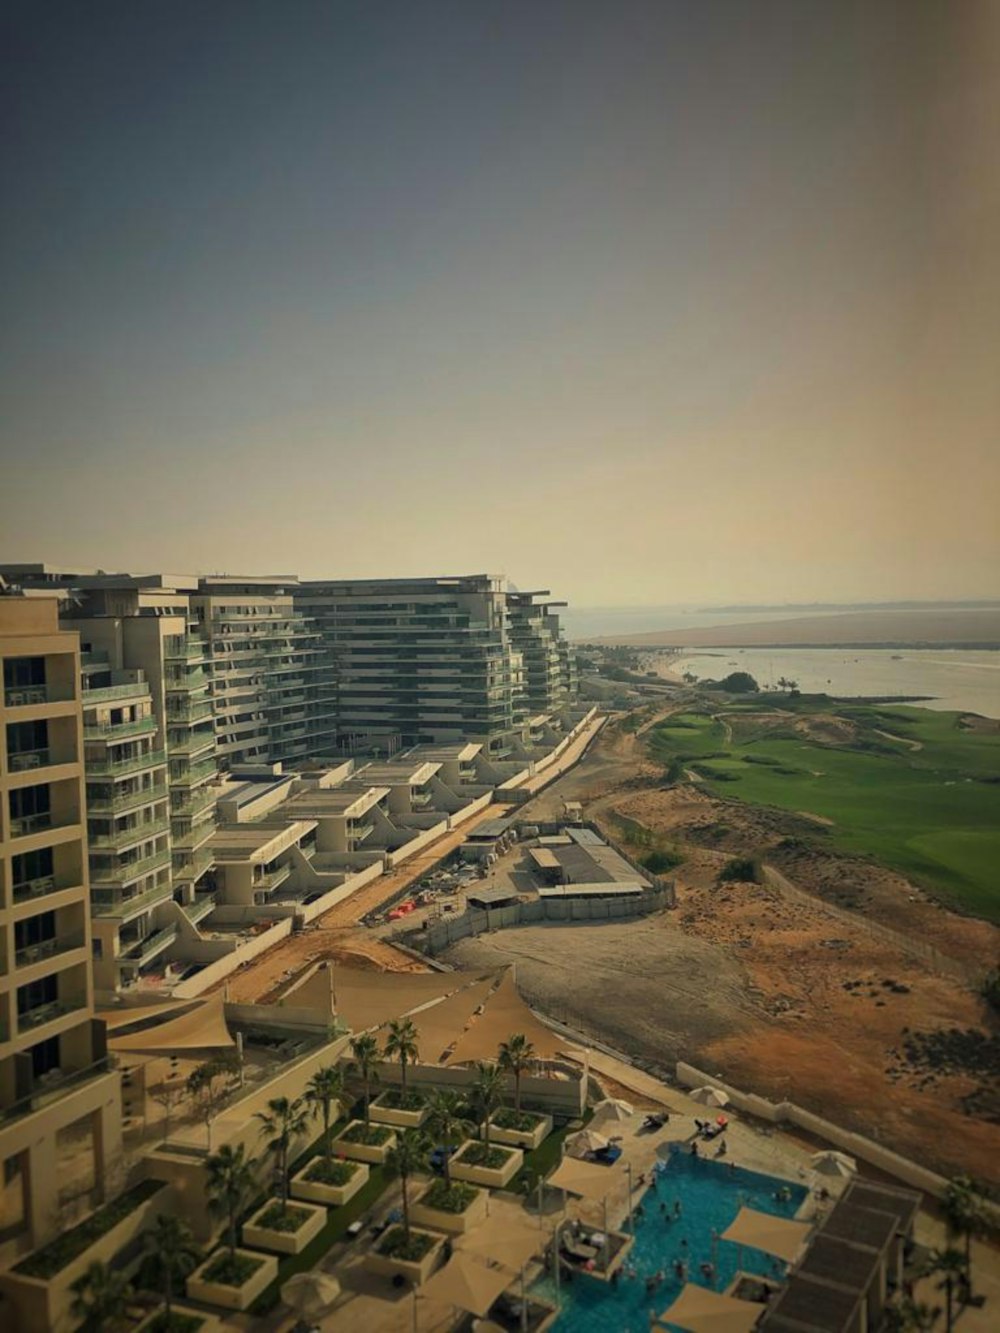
pixel 60 1121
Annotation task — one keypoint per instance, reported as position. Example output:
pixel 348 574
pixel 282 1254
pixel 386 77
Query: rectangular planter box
pixel 495 1177
pixel 417 1273
pixel 284 1242
pixel 233 1298
pixel 363 1152
pixel 455 1224
pixel 393 1115
pixel 209 1323
pixel 522 1138
pixel 334 1196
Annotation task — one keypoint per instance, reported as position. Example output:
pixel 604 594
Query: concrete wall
pixel 436 938
pixel 919 1177
pixel 224 967
pixel 562 1092
pixel 417 843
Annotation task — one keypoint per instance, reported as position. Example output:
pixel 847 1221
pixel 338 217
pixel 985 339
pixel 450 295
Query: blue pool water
pixel 710 1194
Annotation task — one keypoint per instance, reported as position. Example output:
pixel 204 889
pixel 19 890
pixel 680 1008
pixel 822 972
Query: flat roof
pixel 862 1226
pixel 604 889
pixel 544 859
pixel 258 842
pixel 460 750
pixel 395 773
pixel 244 793
pixel 320 802
pixel 808 1304
pixel 490 829
pixel 488 897
pixel 840 1262
pixel 884 1198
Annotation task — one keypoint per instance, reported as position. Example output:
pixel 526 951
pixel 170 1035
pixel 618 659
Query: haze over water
pixel 952 678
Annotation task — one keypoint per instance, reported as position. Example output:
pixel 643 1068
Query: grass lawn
pixel 544 1159
pixel 931 812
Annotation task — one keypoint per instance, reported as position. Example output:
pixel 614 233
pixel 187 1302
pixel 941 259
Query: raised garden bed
pixel 232 1282
pixel 415 1261
pixel 452 1208
pixel 494 1166
pixel 54 1257
pixel 520 1129
pixel 394 1107
pixel 287 1230
pixel 181 1320
pixel 365 1143
pixel 330 1181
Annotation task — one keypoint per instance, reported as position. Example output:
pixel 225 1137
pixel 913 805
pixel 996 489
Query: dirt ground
pixel 782 988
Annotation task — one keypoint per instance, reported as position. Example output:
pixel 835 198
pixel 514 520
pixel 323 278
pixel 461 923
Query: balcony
pixel 37 953
pixel 67 1080
pixel 35 888
pixel 192 743
pixel 105 767
pixel 270 881
pixel 126 874
pixel 192 773
pixel 190 650
pixel 190 838
pixel 358 832
pixel 25 825
pixel 24 696
pixel 25 760
pixel 115 731
pixel 143 952
pixel 189 712
pixel 48 1013
pixel 120 907
pixel 127 837
pixel 132 800
pixel 190 867
pixel 203 906
pixel 201 800
pixel 106 693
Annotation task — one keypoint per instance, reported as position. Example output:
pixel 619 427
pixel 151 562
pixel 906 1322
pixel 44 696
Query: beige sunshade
pixel 700 1310
pixel 200 1029
pixel 780 1236
pixel 502 1240
pixel 585 1179
pixel 506 1013
pixel 367 999
pixel 141 1013
pixel 445 1022
pixel 467 1283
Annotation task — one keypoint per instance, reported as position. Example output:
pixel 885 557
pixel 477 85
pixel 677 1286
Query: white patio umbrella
pixel 587 1140
pixel 310 1294
pixel 710 1096
pixel 832 1163
pixel 613 1108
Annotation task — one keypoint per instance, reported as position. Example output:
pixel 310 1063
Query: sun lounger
pixel 579 1250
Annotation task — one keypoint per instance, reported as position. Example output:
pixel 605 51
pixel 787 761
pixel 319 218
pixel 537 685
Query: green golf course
pixel 912 787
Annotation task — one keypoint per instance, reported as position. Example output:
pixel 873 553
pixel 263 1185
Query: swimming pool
pixel 710 1195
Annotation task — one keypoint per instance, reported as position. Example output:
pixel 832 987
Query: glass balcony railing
pixel 127 837
pixel 128 800
pixel 105 693
pixel 191 743
pixel 23 760
pixel 48 1013
pixel 203 906
pixel 37 953
pixel 133 870
pixel 140 954
pixel 199 801
pixel 35 888
pixel 66 1080
pixel 191 773
pixel 23 696
pixel 112 731
pixel 106 766
pixel 24 825
pixel 188 868
pixel 195 711
pixel 119 906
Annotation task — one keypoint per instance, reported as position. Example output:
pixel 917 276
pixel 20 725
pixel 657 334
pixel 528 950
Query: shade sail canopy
pixel 780 1236
pixel 200 1029
pixel 710 1096
pixel 127 1015
pixel 367 999
pixel 832 1163
pixel 584 1179
pixel 700 1310
pixel 466 1282
pixel 587 1140
pixel 503 1240
pixel 505 1014
pixel 444 1023
pixel 310 1294
pixel 613 1108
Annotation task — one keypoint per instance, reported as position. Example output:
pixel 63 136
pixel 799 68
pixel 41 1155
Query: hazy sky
pixel 644 301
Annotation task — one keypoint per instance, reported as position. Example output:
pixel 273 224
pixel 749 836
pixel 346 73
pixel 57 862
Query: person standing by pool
pixel 677 1208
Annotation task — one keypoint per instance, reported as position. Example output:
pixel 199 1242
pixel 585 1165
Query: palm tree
pixel 324 1088
pixel 102 1294
pixel 172 1254
pixel 408 1156
pixel 516 1054
pixel 364 1050
pixel 402 1043
pixel 446 1124
pixel 964 1216
pixel 949 1263
pixel 229 1182
pixel 283 1121
pixel 486 1094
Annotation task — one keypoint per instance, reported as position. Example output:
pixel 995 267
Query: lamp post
pixel 628 1173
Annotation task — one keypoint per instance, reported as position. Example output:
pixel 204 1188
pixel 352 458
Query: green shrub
pixel 54 1257
pixel 394 1244
pixel 453 1198
pixel 659 862
pixel 398 1100
pixel 175 1322
pixel 744 869
pixel 508 1118
pixel 327 1172
pixel 283 1218
pixel 372 1135
pixel 232 1270
pixel 477 1154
